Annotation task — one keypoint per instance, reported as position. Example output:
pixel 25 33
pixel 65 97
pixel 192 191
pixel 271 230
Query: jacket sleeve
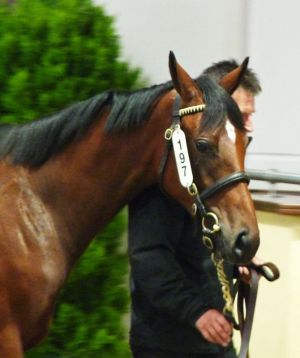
pixel 155 227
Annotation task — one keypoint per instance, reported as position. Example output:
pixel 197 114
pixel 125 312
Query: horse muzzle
pixel 245 246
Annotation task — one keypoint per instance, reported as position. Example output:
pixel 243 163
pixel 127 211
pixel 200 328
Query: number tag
pixel 182 158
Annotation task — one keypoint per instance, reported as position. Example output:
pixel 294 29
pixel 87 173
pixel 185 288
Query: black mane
pixel 32 144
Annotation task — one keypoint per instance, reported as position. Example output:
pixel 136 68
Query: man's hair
pixel 249 81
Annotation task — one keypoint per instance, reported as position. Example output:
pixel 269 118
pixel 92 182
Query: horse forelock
pixel 219 106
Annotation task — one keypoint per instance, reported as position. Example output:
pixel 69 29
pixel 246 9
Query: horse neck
pixel 86 185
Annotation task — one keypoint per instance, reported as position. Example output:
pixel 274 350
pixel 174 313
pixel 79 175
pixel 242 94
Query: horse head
pixel 216 142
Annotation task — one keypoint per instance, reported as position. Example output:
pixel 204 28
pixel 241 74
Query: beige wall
pixel 276 327
pixel 201 32
pixel 198 31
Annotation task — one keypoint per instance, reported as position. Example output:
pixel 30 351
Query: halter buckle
pixel 168 134
pixel 192 189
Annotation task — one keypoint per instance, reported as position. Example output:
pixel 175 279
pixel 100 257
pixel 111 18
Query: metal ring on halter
pixel 168 133
pixel 194 209
pixel 192 189
pixel 215 227
pixel 207 241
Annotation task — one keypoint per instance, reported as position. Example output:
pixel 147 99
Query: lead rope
pixel 226 293
pixel 225 285
pixel 218 262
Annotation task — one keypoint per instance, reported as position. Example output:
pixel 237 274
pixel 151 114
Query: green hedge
pixel 54 53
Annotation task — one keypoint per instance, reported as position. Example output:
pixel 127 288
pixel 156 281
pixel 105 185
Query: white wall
pixel 201 32
pixel 193 29
pixel 273 43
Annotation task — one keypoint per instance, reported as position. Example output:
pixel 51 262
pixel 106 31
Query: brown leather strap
pixel 268 270
pixel 246 300
pixel 247 294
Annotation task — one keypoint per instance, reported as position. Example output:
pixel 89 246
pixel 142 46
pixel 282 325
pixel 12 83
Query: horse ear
pixel 231 81
pixel 183 83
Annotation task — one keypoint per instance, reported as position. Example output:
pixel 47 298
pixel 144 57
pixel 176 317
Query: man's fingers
pixel 257 261
pixel 217 336
pixel 223 331
pixel 225 325
pixel 245 274
pixel 214 327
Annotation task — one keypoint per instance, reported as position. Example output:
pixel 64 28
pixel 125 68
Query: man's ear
pixel 231 81
pixel 183 83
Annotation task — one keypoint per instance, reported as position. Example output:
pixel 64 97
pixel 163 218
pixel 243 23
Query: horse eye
pixel 204 146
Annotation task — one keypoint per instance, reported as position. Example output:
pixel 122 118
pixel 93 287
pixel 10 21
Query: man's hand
pixel 244 271
pixel 214 327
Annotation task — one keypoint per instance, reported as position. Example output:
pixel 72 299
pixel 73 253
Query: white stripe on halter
pixel 191 110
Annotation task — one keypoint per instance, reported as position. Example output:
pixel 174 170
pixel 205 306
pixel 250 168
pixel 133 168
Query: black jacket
pixel 173 281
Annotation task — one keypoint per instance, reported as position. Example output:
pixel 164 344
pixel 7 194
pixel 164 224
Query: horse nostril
pixel 242 244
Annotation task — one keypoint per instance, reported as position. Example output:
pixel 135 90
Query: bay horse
pixel 64 177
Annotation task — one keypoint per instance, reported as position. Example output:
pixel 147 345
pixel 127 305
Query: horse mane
pixel 33 143
pixel 131 109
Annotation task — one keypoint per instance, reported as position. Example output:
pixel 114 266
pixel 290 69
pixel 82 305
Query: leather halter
pixel 239 176
pixel 221 184
pixel 236 177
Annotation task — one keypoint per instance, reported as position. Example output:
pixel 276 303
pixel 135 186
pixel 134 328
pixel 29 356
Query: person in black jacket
pixel 175 294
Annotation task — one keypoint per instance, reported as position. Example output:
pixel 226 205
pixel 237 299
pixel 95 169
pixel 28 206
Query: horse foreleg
pixel 10 342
